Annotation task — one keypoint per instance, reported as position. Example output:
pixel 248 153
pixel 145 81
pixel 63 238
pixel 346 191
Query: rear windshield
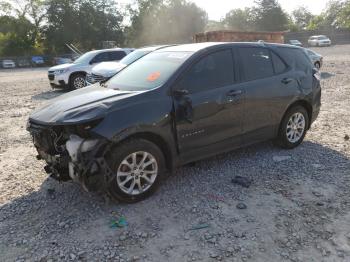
pixel 149 72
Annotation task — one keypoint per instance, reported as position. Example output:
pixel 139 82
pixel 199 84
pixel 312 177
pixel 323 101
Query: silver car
pixel 319 40
pixel 316 58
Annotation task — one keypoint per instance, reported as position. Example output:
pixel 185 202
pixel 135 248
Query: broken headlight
pixel 83 130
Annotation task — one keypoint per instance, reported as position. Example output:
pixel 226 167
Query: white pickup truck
pixel 73 75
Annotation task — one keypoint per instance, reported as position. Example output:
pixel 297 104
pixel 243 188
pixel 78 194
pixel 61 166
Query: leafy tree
pixel 302 17
pixel 165 21
pixel 16 36
pixel 213 25
pixel 269 16
pixel 344 16
pixel 240 19
pixel 85 23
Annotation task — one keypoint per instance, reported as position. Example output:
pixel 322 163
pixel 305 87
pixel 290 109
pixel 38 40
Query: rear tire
pixel 138 166
pixel 293 127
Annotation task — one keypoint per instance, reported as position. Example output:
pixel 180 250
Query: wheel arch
pixel 158 141
pixel 304 104
pixel 76 73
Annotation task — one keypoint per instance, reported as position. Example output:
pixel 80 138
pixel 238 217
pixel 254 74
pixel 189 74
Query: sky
pixel 217 9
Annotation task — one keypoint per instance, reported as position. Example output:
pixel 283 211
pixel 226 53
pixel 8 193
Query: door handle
pixel 286 80
pixel 234 93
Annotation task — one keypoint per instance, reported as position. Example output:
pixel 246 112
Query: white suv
pixel 319 40
pixel 72 75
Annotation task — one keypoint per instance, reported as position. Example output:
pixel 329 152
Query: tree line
pixel 45 26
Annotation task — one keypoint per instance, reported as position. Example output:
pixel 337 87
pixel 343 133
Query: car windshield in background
pixel 132 57
pixel 322 38
pixel 149 72
pixel 85 58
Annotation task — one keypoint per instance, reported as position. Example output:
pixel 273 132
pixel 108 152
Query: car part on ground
pixel 175 106
pixel 64 75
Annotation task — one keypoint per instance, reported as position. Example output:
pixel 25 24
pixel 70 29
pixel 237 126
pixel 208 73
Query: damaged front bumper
pixel 72 157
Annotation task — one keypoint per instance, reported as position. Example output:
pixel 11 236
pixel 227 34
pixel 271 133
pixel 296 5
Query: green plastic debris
pixel 199 226
pixel 120 223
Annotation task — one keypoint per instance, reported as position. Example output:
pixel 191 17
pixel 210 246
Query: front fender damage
pixel 87 163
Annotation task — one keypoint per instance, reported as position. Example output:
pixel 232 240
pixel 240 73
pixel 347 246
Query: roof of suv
pixel 199 46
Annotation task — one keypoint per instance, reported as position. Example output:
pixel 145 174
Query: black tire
pixel 73 82
pixel 318 65
pixel 282 139
pixel 122 151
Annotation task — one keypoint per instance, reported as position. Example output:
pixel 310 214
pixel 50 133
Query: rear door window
pixel 116 55
pixel 256 63
pixel 212 71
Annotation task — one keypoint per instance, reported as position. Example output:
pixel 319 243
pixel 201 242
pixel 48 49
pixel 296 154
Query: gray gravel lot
pixel 296 209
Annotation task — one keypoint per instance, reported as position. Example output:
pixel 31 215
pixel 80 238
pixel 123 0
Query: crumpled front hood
pixel 59 67
pixel 107 69
pixel 80 106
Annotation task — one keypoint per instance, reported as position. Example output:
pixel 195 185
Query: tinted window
pixel 278 64
pixel 212 71
pixel 149 72
pixel 116 55
pixel 102 57
pixel 256 63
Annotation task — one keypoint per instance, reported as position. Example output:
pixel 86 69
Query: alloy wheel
pixel 295 127
pixel 137 173
pixel 79 82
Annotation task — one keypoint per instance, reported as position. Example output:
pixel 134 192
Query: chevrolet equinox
pixel 174 106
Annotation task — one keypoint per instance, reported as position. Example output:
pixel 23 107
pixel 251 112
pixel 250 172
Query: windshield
pixel 85 58
pixel 149 72
pixel 132 57
pixel 322 38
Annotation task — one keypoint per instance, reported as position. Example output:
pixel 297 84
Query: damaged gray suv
pixel 172 107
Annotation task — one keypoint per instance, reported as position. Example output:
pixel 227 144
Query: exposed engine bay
pixel 72 153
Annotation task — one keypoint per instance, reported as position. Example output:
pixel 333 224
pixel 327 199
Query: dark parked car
pixel 295 42
pixel 175 106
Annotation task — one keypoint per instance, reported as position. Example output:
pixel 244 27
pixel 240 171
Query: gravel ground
pixel 296 209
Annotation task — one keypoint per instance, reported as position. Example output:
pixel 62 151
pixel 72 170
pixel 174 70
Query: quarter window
pixel 278 64
pixel 256 63
pixel 213 71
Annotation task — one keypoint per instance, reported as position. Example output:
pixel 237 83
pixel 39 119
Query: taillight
pixel 317 74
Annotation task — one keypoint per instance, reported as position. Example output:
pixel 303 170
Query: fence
pixel 338 36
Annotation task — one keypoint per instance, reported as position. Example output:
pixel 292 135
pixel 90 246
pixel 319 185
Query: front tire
pixel 318 65
pixel 77 81
pixel 138 166
pixel 293 127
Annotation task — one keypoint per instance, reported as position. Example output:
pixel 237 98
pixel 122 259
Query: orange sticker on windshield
pixel 153 77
